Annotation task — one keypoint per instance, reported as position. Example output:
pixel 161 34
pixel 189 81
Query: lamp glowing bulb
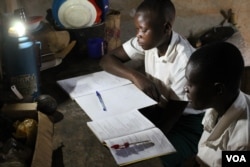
pixel 17 30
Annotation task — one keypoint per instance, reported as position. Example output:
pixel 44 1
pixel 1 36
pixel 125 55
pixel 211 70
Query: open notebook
pixel 118 94
pixel 131 137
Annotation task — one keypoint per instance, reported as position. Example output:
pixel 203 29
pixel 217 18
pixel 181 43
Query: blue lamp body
pixel 20 65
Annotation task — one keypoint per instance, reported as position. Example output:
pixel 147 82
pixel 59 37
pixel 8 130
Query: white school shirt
pixel 169 69
pixel 231 133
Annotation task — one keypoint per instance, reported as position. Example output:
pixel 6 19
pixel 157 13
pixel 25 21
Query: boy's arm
pixel 113 62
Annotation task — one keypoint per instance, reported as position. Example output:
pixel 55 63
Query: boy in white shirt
pixel 214 74
pixel 165 55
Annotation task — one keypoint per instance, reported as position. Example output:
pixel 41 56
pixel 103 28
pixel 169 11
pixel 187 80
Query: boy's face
pixel 200 92
pixel 150 32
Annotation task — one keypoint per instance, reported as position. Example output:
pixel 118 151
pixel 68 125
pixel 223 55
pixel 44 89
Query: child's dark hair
pixel 219 62
pixel 163 9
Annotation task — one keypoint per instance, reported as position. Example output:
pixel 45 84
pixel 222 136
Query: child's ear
pixel 219 88
pixel 167 26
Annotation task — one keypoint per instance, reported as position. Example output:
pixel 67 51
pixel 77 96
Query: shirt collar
pixel 170 54
pixel 218 130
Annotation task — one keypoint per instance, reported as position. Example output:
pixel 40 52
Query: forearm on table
pixel 116 65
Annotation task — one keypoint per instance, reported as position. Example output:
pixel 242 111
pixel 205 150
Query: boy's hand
pixel 147 86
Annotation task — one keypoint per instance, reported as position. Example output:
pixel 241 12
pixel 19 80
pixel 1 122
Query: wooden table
pixel 74 144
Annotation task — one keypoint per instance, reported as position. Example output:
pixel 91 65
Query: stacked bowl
pixel 72 14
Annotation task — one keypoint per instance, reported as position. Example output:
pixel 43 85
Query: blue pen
pixel 101 101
